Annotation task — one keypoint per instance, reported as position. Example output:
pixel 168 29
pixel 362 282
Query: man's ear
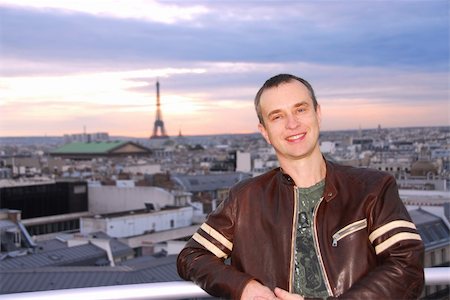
pixel 263 131
pixel 319 114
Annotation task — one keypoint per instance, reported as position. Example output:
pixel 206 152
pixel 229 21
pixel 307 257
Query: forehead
pixel 286 94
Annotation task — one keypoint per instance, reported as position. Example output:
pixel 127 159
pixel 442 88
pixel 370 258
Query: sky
pixel 92 65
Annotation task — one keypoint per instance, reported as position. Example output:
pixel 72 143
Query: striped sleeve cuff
pixel 392 233
pixel 213 241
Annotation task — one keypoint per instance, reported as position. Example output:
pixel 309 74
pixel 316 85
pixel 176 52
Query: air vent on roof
pixel 55 257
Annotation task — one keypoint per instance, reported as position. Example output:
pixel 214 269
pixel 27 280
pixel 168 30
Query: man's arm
pixel 202 260
pixel 210 272
pixel 399 250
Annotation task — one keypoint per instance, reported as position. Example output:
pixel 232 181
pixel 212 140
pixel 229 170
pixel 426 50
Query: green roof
pixel 93 147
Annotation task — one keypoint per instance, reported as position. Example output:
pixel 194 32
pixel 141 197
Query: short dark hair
pixel 276 81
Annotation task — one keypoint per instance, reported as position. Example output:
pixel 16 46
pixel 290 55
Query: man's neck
pixel 307 171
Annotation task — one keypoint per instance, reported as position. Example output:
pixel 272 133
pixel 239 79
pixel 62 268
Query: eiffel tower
pixel 159 123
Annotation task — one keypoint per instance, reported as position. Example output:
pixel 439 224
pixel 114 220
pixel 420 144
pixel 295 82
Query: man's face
pixel 291 125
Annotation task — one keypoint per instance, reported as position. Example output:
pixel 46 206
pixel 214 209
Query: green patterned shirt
pixel 308 277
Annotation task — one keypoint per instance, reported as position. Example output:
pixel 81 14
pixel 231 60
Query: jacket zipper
pixel 319 254
pixel 349 229
pixel 293 236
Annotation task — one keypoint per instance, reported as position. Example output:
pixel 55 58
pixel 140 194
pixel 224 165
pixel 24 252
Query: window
pixel 79 189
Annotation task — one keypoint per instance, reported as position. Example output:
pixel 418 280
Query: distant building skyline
pixel 77 136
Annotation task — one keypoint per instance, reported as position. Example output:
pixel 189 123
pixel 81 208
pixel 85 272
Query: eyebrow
pixel 273 112
pixel 303 103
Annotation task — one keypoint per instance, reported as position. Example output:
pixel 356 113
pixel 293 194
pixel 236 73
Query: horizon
pixel 66 66
pixel 224 134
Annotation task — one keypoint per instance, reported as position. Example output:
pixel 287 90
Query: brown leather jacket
pixel 367 245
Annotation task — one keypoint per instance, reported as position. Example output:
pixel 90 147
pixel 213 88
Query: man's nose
pixel 292 121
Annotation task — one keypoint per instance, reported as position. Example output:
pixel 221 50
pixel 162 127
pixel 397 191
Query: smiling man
pixel 309 229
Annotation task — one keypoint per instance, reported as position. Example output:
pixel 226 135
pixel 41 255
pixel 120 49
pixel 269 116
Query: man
pixel 309 229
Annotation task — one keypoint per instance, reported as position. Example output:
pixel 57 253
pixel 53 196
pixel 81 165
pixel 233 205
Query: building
pixel 243 162
pixel 105 199
pixel 23 166
pixel 435 233
pixel 209 189
pixel 144 229
pixel 13 235
pixel 138 222
pixel 89 150
pixel 73 261
pixel 86 137
pixel 46 207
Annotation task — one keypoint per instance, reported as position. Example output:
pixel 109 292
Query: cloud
pixel 392 34
pixel 211 95
pixel 146 10
pixel 96 63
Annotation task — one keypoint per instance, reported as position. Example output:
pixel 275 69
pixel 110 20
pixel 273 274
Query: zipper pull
pixel 335 240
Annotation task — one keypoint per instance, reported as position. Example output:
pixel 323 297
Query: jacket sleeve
pixel 398 247
pixel 203 258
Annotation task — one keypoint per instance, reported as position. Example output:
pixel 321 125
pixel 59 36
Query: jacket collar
pixel 330 191
pixel 285 178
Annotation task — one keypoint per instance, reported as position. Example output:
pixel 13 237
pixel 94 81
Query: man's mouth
pixel 296 137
